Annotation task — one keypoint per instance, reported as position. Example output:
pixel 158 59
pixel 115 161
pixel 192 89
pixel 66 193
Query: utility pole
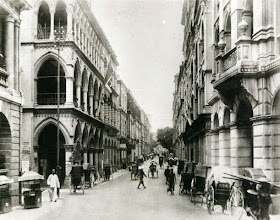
pixel 59 38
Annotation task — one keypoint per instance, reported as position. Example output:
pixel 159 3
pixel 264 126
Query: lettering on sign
pixel 26 148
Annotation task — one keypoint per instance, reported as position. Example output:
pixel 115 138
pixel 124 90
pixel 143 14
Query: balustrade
pixel 230 59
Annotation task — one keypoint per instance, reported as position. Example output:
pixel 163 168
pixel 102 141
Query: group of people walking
pixel 170 178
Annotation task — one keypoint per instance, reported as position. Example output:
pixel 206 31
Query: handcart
pixel 254 195
pixel 219 188
pixel 5 194
pixel 199 188
pixel 77 180
pixel 134 172
pixel 31 189
pixel 186 177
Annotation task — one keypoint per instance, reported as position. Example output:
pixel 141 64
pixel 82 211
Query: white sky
pixel 147 37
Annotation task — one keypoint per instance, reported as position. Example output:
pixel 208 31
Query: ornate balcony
pixel 230 59
pixel 43 32
pixel 50 98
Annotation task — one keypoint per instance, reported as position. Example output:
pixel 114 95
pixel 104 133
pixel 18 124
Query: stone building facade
pixel 241 82
pixel 11 99
pixel 87 65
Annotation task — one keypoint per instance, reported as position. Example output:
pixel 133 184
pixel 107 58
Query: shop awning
pixel 30 175
pixel 5 180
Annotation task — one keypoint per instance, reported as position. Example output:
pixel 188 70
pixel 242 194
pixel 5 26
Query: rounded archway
pixel 5 141
pixel 276 104
pixel 245 146
pixel 47 83
pixel 47 151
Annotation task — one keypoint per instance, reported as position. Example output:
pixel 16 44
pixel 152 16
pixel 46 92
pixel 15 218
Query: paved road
pixel 121 199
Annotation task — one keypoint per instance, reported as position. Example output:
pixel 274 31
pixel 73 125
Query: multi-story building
pixel 66 44
pixel 232 96
pixel 192 113
pixel 122 120
pixel 10 92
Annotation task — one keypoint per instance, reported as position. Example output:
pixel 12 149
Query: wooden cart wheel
pixel 236 204
pixel 210 200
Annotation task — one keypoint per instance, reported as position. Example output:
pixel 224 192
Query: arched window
pixel 44 22
pixel 276 104
pixel 60 16
pixel 47 83
pixel 228 33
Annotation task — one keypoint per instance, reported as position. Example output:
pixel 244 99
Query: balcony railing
pixel 43 32
pixel 230 59
pixel 50 98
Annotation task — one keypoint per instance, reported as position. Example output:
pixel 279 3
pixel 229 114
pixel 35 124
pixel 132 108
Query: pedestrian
pixel 166 174
pixel 54 184
pixel 172 180
pixel 141 175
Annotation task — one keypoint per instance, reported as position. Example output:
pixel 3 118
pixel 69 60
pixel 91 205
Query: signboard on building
pixel 25 166
pixel 26 148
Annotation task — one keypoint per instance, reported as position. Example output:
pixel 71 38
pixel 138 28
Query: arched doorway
pixel 5 142
pixel 47 152
pixel 245 147
pixel 47 84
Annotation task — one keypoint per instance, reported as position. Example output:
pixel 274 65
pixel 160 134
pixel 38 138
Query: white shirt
pixel 53 181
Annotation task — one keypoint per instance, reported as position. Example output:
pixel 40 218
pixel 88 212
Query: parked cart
pixel 186 177
pixel 77 180
pixel 199 188
pixel 31 189
pixel 219 188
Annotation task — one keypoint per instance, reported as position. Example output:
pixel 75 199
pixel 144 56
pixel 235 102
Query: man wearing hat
pixel 141 175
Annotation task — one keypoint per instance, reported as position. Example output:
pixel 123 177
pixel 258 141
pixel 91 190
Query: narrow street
pixel 120 199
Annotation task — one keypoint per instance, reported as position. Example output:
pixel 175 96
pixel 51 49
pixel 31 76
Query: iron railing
pixel 50 98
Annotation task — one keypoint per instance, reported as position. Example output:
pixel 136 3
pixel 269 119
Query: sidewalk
pixel 19 213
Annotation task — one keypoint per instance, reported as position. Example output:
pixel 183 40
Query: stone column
pixel 52 24
pixel 95 106
pixel 91 157
pixel 16 54
pixel 241 149
pixel 224 147
pixel 96 159
pixel 78 94
pixel 102 111
pixel 85 156
pixel 68 162
pixel 69 24
pixel 9 49
pixel 69 90
pixel 215 148
pixel 85 99
pixel 91 104
pixel 100 160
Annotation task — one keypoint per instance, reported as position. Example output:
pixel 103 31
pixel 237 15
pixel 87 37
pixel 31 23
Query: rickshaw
pixel 107 171
pixel 199 182
pixel 134 171
pixel 77 180
pixel 186 177
pixel 253 197
pixel 160 161
pixel 219 188
pixel 152 170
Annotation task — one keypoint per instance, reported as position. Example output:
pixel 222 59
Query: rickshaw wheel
pixel 210 199
pixel 191 191
pixel 236 204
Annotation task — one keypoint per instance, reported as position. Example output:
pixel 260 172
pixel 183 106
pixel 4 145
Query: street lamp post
pixel 59 37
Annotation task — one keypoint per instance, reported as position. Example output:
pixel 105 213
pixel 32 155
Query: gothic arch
pixel 44 123
pixel 50 55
